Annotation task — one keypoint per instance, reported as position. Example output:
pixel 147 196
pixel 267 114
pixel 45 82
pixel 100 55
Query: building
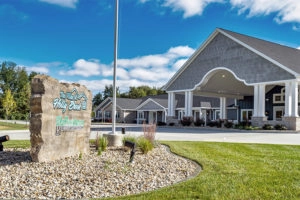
pixel 154 109
pixel 262 77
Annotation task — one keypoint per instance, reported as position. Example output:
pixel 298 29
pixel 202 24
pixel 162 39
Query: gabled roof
pixel 128 104
pixel 122 103
pixel 286 58
pixel 157 102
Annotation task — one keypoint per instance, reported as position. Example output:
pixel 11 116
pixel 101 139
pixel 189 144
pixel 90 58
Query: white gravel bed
pixel 90 176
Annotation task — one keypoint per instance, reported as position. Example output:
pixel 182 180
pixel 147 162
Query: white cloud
pixel 298 48
pixel 189 8
pixel 42 70
pixel 178 64
pixel 153 70
pixel 180 51
pixel 63 3
pixel 84 68
pixel 144 61
pixel 286 11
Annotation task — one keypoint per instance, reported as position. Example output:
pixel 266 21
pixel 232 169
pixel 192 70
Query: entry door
pixel 278 113
pixel 152 117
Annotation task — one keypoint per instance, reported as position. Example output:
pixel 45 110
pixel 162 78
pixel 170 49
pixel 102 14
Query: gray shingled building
pixel 262 76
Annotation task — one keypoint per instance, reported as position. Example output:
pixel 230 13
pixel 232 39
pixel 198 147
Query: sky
pixel 73 40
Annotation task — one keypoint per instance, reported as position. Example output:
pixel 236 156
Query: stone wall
pixel 60 119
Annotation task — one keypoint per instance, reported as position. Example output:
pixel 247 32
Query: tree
pixel 8 103
pixel 31 75
pixel 16 80
pixel 108 91
pixel 97 99
pixel 141 91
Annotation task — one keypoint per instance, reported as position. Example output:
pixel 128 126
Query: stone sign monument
pixel 60 119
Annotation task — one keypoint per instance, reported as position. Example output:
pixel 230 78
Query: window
pixel 246 115
pixel 140 115
pixel 180 114
pixel 107 115
pixel 217 114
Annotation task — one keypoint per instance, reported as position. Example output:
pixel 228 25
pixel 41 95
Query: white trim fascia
pixel 107 105
pixel 147 101
pixel 103 102
pixel 275 82
pixel 191 59
pixel 180 91
pixel 259 53
pixel 210 73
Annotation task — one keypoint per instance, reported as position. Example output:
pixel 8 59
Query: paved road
pixel 190 134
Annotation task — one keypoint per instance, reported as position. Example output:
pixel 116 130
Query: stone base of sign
pixel 114 140
pixel 60 119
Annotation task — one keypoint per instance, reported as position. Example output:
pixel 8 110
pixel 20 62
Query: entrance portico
pixel 235 66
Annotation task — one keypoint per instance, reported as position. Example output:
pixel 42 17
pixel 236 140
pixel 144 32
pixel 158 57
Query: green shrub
pixel 267 127
pixel 101 143
pixel 228 124
pixel 280 127
pixel 129 138
pixel 186 121
pixel 199 122
pixel 144 145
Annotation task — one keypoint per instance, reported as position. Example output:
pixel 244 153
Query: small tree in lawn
pixel 9 104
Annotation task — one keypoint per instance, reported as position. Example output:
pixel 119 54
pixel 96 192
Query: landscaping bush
pixel 199 122
pixel 186 121
pixel 228 124
pixel 212 123
pixel 280 127
pixel 129 138
pixel 245 123
pixel 145 145
pixel 161 124
pixel 267 127
pixel 171 124
pixel 101 143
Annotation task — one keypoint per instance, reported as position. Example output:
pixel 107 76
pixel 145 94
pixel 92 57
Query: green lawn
pixel 236 171
pixel 13 126
pixel 230 171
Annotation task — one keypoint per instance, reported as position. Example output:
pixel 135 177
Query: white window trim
pixel 247 110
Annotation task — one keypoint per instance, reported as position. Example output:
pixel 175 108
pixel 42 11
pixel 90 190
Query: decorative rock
pixel 92 176
pixel 60 119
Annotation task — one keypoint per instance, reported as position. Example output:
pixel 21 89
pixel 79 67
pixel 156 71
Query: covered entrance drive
pixel 246 70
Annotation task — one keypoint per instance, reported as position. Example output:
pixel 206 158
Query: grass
pixel 13 126
pixel 17 144
pixel 230 171
pixel 235 171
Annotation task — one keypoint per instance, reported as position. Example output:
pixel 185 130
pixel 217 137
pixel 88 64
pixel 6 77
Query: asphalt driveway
pixel 190 134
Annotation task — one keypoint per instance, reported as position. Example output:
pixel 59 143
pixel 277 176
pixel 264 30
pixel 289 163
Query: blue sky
pixel 72 40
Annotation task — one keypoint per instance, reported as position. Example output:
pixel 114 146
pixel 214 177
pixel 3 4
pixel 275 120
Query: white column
pixel 294 92
pixel 171 100
pixel 288 99
pixel 223 114
pixel 261 100
pixel 188 103
pixel 255 101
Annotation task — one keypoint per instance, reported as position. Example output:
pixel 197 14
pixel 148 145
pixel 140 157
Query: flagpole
pixel 115 68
